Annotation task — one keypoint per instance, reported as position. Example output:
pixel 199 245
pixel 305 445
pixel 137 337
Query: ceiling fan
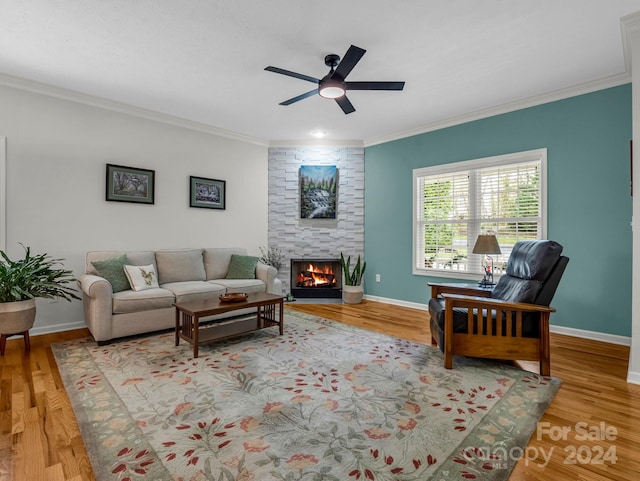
pixel 333 85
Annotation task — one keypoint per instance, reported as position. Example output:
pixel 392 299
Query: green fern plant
pixel 34 276
pixel 352 278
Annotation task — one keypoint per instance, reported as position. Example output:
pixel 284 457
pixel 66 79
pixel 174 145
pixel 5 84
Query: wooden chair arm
pixel 475 301
pixel 438 289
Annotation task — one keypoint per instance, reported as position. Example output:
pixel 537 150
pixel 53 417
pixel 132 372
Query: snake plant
pixel 352 278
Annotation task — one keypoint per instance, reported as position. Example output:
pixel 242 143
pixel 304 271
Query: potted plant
pixel 352 290
pixel 272 256
pixel 21 282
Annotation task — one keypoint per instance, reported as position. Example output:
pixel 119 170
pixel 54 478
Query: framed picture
pixel 318 191
pixel 130 184
pixel 208 193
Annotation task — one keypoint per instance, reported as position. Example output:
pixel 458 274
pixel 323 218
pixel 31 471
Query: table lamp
pixel 487 244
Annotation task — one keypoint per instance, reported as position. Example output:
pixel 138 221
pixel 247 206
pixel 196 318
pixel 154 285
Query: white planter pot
pixel 352 294
pixel 17 317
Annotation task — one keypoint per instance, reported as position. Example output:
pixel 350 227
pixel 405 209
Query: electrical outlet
pixel 377 277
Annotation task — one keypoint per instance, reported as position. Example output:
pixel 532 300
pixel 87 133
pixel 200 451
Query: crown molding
pixel 628 24
pixel 580 89
pixel 316 143
pixel 102 103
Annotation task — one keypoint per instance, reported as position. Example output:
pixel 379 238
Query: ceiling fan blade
pixel 300 97
pixel 374 85
pixel 292 74
pixel 350 59
pixel 345 105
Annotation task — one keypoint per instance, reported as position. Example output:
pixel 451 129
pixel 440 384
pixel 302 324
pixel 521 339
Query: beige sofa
pixel 182 275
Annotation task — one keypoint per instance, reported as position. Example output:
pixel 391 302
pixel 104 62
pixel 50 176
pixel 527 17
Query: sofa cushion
pixel 217 259
pixel 242 267
pixel 242 285
pixel 113 271
pixel 180 265
pixel 194 290
pixel 134 258
pixel 93 256
pixel 132 301
pixel 142 258
pixel 141 277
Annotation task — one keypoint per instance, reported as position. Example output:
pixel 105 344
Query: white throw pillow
pixel 141 277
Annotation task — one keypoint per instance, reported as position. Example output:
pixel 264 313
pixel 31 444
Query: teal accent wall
pixel 589 204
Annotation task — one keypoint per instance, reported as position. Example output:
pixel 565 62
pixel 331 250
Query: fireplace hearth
pixel 316 278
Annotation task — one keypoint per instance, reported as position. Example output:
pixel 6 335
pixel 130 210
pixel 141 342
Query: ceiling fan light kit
pixel 330 91
pixel 333 85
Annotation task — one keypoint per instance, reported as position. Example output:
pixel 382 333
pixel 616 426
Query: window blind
pixel 457 202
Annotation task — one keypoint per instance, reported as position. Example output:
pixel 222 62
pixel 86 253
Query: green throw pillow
pixel 113 271
pixel 242 267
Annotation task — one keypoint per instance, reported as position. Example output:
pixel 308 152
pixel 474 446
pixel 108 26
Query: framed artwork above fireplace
pixel 318 191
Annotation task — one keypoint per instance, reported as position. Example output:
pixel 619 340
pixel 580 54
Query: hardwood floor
pixel 39 435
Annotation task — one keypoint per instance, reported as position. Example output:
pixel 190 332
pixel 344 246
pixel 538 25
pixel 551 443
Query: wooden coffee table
pixel 269 312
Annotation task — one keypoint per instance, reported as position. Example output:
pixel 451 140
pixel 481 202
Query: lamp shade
pixel 486 244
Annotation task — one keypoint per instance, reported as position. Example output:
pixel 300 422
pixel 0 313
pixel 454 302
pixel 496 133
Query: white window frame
pixel 483 163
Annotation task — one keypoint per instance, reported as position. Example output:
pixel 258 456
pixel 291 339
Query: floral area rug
pixel 325 401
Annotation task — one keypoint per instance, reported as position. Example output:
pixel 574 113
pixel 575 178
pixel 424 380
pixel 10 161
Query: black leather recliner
pixel 520 301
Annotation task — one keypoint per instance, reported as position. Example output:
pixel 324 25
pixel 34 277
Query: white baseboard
pixel 633 377
pixel 38 331
pixel 396 302
pixel 593 335
pixel 567 331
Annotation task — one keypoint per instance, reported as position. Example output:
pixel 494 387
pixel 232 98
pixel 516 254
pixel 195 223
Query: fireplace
pixel 316 278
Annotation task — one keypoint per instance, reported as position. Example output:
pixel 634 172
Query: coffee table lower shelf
pixel 269 313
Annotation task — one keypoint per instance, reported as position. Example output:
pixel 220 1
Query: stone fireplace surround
pixel 315 238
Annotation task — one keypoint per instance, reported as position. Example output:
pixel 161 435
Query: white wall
pixel 56 152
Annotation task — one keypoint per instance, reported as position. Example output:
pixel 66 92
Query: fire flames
pixel 315 276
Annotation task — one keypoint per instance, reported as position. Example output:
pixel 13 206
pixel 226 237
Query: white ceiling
pixel 204 60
